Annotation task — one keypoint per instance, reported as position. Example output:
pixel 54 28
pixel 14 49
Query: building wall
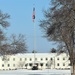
pixel 26 61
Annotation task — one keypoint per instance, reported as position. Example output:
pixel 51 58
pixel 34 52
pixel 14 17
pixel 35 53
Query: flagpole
pixel 33 17
pixel 34 41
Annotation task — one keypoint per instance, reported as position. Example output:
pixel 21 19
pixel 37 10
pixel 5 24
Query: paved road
pixel 36 72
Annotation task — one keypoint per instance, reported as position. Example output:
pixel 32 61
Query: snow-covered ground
pixel 36 72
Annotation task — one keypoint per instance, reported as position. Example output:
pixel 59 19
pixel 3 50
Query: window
pixel 63 64
pixel 8 65
pixel 41 59
pixel 46 58
pixel 25 58
pixel 35 58
pixel 57 58
pixel 69 64
pixel 69 58
pixel 20 59
pixel 51 59
pixel 26 65
pixel 2 59
pixel 30 59
pixel 57 64
pixel 2 65
pixel 14 65
pixel 63 58
pixel 41 64
pixel 46 64
pixel 8 59
pixel 30 64
pixel 13 59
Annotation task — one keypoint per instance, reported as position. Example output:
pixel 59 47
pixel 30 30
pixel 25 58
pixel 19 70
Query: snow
pixel 36 72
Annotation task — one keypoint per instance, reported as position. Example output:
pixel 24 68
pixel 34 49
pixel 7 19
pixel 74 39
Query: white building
pixel 42 60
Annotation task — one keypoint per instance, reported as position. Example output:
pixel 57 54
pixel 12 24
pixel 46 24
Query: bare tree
pixel 53 50
pixel 3 25
pixel 59 25
pixel 17 44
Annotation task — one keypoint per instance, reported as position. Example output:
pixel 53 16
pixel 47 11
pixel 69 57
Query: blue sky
pixel 20 12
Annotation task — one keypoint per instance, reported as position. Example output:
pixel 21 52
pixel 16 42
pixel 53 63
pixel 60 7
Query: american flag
pixel 33 15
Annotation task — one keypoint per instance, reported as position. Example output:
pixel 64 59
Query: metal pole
pixel 54 62
pixel 34 41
